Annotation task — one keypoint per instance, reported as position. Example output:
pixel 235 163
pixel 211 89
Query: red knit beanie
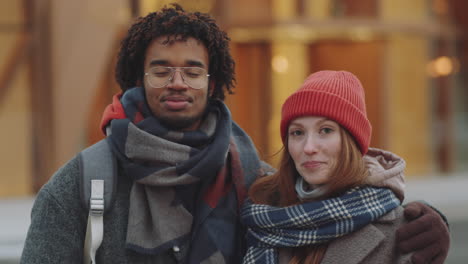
pixel 337 95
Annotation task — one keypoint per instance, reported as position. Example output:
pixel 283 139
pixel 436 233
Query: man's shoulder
pixel 69 184
pixel 65 175
pixel 65 181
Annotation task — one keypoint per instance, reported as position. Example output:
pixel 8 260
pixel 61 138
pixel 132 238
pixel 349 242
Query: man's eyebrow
pixel 195 63
pixel 158 62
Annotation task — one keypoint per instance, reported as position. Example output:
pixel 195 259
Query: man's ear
pixel 139 83
pixel 211 87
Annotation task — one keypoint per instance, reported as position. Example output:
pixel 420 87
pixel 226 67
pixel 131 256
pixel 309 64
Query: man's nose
pixel 177 81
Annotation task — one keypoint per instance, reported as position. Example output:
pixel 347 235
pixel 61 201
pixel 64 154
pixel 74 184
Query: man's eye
pixel 161 73
pixel 193 73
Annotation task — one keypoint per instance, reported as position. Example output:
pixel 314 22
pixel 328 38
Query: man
pixel 183 165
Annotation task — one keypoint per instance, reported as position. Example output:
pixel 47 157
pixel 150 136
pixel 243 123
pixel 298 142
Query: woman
pixel 333 200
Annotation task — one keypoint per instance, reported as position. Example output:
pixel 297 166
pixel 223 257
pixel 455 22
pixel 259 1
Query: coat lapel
pixel 353 248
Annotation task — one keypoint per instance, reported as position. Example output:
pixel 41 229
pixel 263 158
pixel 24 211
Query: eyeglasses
pixel 159 76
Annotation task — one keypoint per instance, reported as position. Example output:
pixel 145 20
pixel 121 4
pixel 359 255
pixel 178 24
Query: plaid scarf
pixel 311 223
pixel 187 185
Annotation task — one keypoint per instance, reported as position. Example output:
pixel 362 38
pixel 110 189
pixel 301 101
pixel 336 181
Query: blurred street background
pixel 57 75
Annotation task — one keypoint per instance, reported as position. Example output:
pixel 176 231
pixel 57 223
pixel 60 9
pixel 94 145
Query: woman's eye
pixel 295 133
pixel 326 130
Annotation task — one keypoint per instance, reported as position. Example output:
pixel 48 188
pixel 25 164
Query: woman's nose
pixel 311 145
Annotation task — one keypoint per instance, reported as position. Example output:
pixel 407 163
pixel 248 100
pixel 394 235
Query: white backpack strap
pixel 95 230
pixel 98 183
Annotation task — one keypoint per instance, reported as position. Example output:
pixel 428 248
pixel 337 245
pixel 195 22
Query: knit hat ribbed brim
pixel 337 95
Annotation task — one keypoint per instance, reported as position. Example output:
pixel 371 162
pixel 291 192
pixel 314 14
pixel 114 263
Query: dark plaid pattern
pixel 311 223
pixel 187 185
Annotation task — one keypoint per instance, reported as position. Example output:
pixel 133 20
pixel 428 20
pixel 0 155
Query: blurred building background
pixel 56 77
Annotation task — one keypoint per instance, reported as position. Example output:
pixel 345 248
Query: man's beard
pixel 180 123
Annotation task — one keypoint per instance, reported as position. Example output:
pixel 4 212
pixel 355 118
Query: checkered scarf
pixel 271 227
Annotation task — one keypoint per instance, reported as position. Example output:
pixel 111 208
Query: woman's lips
pixel 312 164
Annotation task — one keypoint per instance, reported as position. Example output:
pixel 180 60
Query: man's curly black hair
pixel 174 21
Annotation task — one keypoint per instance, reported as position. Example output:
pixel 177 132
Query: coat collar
pixel 353 248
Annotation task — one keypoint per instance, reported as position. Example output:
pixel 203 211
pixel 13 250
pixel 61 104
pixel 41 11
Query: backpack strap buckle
pixel 96 202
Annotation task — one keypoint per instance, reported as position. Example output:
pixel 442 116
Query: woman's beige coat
pixel 374 243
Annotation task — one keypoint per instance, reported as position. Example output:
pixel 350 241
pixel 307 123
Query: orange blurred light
pixel 443 66
pixel 280 64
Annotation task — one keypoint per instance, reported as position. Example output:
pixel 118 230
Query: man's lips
pixel 176 98
pixel 312 164
pixel 176 102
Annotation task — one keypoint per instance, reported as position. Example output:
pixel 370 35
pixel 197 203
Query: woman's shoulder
pixel 390 221
pixel 374 243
